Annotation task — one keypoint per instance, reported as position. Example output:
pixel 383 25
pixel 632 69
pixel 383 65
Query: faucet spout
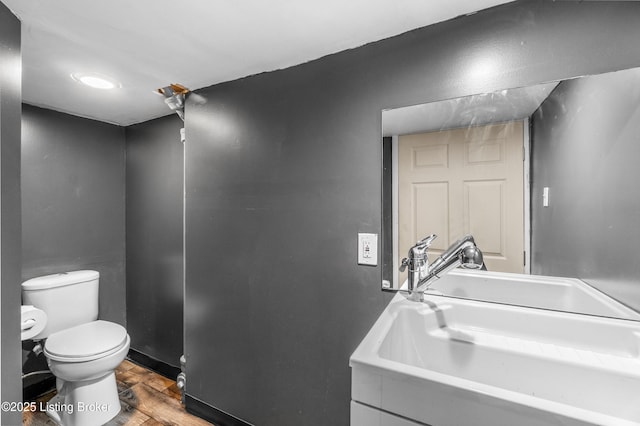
pixel 463 252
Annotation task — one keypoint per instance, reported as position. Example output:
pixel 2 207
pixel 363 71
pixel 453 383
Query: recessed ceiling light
pixel 95 80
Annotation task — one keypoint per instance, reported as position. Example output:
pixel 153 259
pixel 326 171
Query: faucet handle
pixel 426 242
pixel 418 253
pixel 404 264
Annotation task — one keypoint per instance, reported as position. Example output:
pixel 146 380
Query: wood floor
pixel 147 398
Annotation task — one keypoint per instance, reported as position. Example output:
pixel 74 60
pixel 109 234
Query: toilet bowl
pixel 83 359
pixel 81 351
pixel 87 351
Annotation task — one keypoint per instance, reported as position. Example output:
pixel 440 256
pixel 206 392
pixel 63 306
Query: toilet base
pixel 85 403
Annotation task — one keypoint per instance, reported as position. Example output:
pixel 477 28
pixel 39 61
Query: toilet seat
pixel 85 342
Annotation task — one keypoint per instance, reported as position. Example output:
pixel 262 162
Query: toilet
pixel 82 351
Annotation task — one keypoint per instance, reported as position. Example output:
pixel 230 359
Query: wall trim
pixel 160 367
pixel 211 414
pixel 37 389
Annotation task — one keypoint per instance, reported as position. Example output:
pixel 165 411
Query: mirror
pixel 570 209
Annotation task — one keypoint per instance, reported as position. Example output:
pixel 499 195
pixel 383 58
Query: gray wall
pixel 586 149
pixel 155 166
pixel 284 169
pixel 73 213
pixel 10 98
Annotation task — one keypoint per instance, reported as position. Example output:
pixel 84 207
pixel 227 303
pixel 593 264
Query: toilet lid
pixel 86 341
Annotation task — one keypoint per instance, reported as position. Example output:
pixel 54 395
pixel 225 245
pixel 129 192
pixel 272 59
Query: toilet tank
pixel 68 299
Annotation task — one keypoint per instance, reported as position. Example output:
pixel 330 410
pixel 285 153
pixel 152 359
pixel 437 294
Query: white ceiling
pixel 148 44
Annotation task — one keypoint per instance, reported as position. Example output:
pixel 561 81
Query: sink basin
pixel 556 293
pixel 462 362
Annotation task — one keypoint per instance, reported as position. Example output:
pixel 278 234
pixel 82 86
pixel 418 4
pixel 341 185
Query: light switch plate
pixel 545 196
pixel 368 249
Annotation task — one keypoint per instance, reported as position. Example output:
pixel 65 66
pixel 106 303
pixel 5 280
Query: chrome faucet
pixel 417 262
pixel 421 275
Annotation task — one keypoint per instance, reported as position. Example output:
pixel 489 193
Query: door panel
pixel 484 207
pixel 427 219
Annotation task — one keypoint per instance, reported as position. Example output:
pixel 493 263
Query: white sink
pixel 461 362
pixel 557 293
